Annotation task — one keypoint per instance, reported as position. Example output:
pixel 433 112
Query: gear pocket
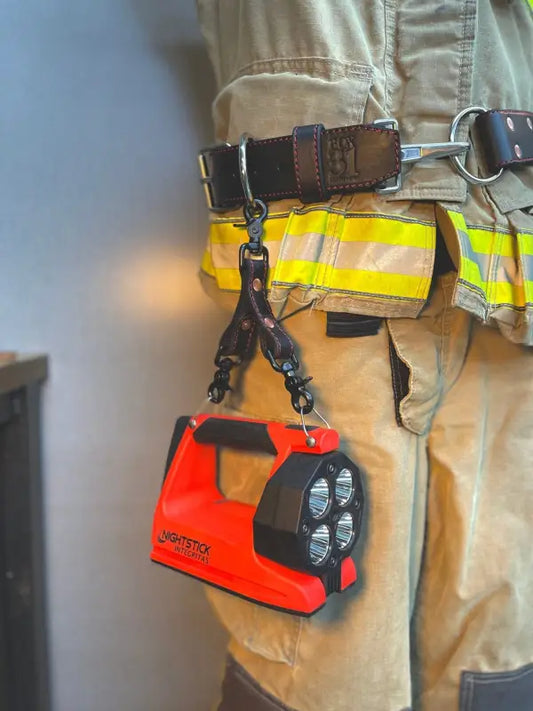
pixel 497 691
pixel 400 379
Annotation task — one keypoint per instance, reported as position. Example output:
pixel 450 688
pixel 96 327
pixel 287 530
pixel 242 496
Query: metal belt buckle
pixel 414 152
pixel 206 179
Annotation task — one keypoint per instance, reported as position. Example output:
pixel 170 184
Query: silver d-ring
pixel 243 172
pixel 460 167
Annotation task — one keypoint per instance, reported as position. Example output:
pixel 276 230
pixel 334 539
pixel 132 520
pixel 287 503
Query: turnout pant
pixel 438 412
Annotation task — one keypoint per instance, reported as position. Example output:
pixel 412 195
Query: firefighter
pixel 418 332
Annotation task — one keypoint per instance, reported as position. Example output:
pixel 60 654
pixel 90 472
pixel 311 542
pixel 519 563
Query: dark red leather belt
pixel 314 163
pixel 311 164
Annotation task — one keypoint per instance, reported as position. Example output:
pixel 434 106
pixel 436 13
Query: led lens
pixel 320 544
pixel 345 530
pixel 319 498
pixel 344 487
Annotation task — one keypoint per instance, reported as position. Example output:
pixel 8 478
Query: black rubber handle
pixel 252 436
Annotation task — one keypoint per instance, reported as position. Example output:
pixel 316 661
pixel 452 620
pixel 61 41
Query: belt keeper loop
pixel 307 150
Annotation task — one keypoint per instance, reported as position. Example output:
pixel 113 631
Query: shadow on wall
pixel 187 61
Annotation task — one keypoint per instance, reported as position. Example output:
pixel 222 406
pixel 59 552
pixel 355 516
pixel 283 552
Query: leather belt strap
pixel 308 164
pixel 311 164
pixel 507 138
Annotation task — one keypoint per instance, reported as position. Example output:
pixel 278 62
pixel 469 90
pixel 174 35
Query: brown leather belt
pixel 311 164
pixel 314 163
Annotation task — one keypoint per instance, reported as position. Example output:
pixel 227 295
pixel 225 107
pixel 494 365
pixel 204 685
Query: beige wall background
pixel 104 105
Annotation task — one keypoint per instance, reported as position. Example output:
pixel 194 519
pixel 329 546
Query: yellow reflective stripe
pixel 299 224
pixel 525 242
pixel 457 219
pixel 401 233
pixel 469 271
pixel 207 263
pixel 369 228
pixel 492 242
pixel 355 280
pixel 503 292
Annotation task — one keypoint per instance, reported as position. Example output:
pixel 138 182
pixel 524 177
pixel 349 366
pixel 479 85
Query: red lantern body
pixel 199 532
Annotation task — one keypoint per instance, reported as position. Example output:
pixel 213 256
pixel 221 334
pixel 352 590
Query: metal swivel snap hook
pixel 255 211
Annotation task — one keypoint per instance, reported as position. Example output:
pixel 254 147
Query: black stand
pixel 23 646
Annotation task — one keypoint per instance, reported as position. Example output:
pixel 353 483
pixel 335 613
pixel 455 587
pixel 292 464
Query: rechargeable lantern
pixel 293 549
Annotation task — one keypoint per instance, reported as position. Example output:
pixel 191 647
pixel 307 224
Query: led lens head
pixel 344 531
pixel 344 487
pixel 319 497
pixel 320 544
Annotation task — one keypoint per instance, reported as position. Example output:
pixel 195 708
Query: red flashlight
pixel 293 549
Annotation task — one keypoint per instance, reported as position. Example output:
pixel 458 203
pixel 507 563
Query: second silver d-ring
pixel 474 179
pixel 243 172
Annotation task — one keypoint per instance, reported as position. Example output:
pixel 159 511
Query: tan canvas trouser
pixel 441 616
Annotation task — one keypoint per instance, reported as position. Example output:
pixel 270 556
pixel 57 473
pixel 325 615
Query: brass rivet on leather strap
pixel 518 151
pixel 529 123
pixel 510 123
pixel 269 323
pixel 257 284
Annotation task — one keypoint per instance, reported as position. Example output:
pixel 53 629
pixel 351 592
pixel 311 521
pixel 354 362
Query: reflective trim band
pixel 332 251
pixel 501 292
pixel 497 265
